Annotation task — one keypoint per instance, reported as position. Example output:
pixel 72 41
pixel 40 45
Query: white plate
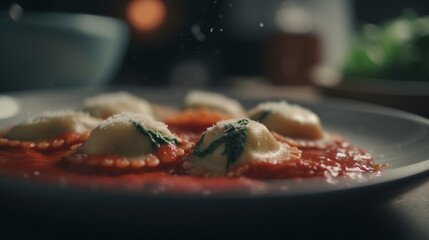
pixel 394 137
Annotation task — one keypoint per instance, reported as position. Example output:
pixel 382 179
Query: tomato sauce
pixel 338 158
pixel 38 167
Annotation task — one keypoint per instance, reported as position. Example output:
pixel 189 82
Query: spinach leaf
pixel 234 139
pixel 156 138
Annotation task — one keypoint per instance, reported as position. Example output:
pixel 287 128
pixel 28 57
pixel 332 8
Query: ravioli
pixel 51 125
pixel 128 143
pixel 236 142
pixel 128 135
pixel 288 120
pixel 107 104
pixel 214 101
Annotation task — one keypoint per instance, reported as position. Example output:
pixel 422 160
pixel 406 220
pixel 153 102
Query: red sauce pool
pixel 340 158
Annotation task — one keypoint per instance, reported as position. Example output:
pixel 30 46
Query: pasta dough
pixel 288 120
pixel 217 149
pixel 213 101
pixel 123 135
pixel 50 125
pixel 107 104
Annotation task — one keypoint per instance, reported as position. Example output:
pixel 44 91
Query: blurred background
pixel 370 50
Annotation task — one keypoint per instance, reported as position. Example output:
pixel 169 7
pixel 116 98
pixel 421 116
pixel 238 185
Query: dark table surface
pixel 403 217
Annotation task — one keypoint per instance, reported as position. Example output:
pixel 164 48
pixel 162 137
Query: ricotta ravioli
pixel 288 120
pixel 237 142
pixel 107 104
pixel 127 135
pixel 50 125
pixel 214 101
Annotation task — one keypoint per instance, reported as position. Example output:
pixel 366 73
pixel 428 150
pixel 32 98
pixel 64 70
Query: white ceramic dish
pixel 394 137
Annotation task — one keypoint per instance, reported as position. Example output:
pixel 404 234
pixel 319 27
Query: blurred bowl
pixel 411 96
pixel 41 50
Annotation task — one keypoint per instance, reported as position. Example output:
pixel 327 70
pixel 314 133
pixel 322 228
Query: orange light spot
pixel 146 15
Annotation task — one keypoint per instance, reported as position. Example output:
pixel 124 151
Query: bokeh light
pixel 146 15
